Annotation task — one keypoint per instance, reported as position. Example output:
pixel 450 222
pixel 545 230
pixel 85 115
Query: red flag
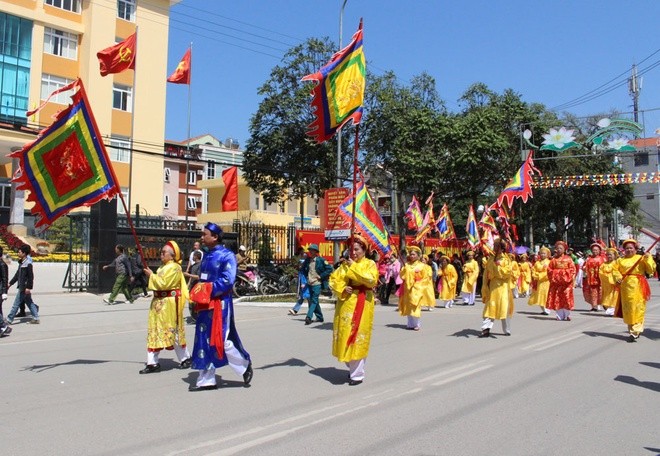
pixel 119 57
pixel 182 73
pixel 230 198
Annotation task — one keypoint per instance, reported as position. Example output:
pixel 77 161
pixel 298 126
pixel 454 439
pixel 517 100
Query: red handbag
pixel 201 293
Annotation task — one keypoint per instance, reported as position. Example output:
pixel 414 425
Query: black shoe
pixel 5 331
pixel 308 321
pixel 194 389
pixel 185 364
pixel 150 369
pixel 319 321
pixel 247 375
pixel 20 314
pixel 593 310
pixel 354 382
pixel 484 333
pixel 632 338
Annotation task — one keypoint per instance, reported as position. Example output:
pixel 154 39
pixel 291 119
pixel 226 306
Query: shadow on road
pixel 43 367
pixel 608 335
pixel 331 374
pixel 466 333
pixel 656 365
pixel 291 362
pixel 396 326
pixel 325 325
pixel 653 450
pixel 651 334
pixel 653 386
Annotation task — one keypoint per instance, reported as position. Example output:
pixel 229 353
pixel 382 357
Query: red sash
pixel 357 314
pixel 216 327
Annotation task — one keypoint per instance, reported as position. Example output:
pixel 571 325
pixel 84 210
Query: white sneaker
pixel 107 301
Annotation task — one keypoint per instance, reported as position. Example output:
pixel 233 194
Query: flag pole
pixel 188 137
pixel 130 155
pixel 355 170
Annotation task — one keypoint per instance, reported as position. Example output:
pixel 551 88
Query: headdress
pixel 629 241
pixel 544 249
pixel 213 228
pixel 562 243
pixel 614 251
pixel 175 248
pixel 414 248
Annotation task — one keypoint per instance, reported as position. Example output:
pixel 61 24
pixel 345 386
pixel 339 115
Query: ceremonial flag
pixel 119 57
pixel 487 221
pixel 367 219
pixel 471 229
pixel 428 223
pixel 445 226
pixel 487 242
pixel 230 198
pixel 67 166
pixel 182 73
pixel 520 186
pixel 414 215
pixel 339 91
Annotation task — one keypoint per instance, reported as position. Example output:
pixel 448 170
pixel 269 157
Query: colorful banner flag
pixel 67 166
pixel 230 198
pixel 414 215
pixel 368 221
pixel 339 92
pixel 428 223
pixel 520 186
pixel 119 57
pixel 183 70
pixel 445 226
pixel 487 221
pixel 487 243
pixel 471 229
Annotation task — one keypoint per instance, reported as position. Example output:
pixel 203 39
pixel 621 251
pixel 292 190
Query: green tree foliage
pixel 281 161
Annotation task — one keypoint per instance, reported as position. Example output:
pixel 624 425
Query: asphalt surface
pixel 71 385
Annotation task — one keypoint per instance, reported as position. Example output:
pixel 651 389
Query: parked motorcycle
pixel 247 282
pixel 275 280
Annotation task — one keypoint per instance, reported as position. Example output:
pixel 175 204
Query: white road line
pixel 559 342
pixel 447 372
pixel 460 376
pixel 550 340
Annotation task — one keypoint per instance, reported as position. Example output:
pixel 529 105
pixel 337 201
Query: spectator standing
pixel 197 247
pixel 4 287
pixel 317 270
pixel 303 290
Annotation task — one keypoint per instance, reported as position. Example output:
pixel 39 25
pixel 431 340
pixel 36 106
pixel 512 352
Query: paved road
pixel 71 386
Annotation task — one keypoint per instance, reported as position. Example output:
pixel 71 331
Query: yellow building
pixel 49 43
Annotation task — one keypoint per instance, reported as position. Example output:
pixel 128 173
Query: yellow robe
pixel 484 283
pixel 540 275
pixel 166 324
pixel 525 277
pixel 609 274
pixel 633 304
pixel 449 278
pixel 417 279
pixel 499 279
pixel 361 273
pixel 470 275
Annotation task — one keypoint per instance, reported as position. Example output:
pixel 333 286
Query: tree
pixel 281 162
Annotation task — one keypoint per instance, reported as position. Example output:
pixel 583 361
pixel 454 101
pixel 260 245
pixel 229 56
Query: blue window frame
pixel 15 59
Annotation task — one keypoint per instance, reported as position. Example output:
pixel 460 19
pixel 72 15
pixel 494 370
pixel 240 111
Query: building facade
pixel 646 160
pixel 46 44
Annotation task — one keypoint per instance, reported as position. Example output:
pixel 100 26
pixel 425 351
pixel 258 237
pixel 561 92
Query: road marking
pixel 559 342
pixel 546 342
pixel 443 373
pixel 464 374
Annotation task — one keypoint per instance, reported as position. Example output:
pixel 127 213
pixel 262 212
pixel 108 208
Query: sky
pixel 555 52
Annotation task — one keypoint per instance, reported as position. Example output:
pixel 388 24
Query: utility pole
pixel 634 87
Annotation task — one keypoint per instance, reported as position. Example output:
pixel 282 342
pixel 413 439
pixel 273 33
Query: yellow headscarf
pixel 177 252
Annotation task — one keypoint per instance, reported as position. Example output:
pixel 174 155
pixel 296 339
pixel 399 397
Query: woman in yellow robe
pixel 498 275
pixel 449 278
pixel 470 276
pixel 609 274
pixel 525 276
pixel 417 279
pixel 515 279
pixel 353 283
pixel 540 282
pixel 166 328
pixel 428 299
pixel 634 288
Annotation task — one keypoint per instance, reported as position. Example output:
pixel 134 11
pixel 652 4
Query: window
pixel 120 206
pixel 191 203
pixel 166 201
pixel 122 98
pixel 50 83
pixel 650 196
pixel 210 170
pixel 5 195
pixel 168 173
pixel 126 10
pixel 68 5
pixel 15 63
pixel 120 150
pixel 641 159
pixel 60 43
pixel 256 202
pixel 192 177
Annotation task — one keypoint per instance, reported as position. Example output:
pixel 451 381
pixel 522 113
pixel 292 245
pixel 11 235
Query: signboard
pixel 337 235
pixel 331 201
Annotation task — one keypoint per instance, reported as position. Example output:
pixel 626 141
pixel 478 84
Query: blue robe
pixel 219 267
